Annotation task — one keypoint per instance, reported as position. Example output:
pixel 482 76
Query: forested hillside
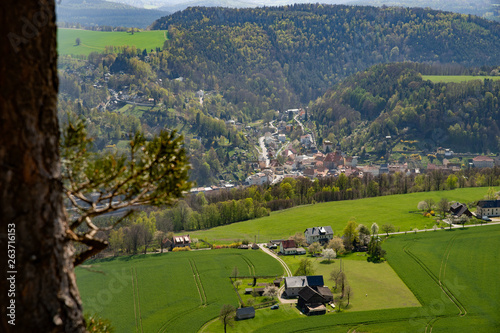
pixel 105 13
pixel 393 100
pixel 272 58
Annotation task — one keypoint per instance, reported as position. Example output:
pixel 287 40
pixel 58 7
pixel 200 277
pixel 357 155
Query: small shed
pixel 248 290
pixel 260 291
pixel 255 246
pixel 245 313
pixel 315 309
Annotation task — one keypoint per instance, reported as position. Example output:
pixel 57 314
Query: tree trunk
pixel 42 289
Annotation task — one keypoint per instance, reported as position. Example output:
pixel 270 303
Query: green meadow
pixel 393 209
pixel 457 78
pixel 170 292
pixel 452 274
pixel 96 41
pixel 375 287
pixel 439 281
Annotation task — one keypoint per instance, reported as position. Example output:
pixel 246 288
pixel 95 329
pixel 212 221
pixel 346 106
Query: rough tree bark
pixel 31 201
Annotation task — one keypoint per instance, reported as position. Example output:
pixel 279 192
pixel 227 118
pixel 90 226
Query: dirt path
pixel 288 272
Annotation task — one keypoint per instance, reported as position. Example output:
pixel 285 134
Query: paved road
pixel 455 226
pixel 263 150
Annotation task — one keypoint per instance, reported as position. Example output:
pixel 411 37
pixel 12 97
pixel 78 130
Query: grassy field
pixel 375 287
pixel 174 292
pixel 452 273
pixel 96 41
pixel 457 78
pixel 392 209
pixel 455 274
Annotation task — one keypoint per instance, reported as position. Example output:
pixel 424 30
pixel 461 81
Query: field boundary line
pixel 447 251
pixel 365 323
pixel 138 299
pixel 201 283
pixel 197 281
pixel 443 287
pixel 430 325
pixel 251 267
pixel 133 297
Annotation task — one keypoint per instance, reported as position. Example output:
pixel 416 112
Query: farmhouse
pixel 294 284
pixel 488 208
pixel 318 234
pixel 311 302
pixel 181 241
pixel 288 247
pixel 245 313
pixel 458 209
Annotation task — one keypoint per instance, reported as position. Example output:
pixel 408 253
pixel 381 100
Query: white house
pixel 488 208
pixel 306 139
pixel 318 234
pixel 259 179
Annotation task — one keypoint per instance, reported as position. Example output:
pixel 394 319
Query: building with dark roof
pixel 325 292
pixel 294 284
pixel 458 209
pixel 318 234
pixel 245 313
pixel 311 302
pixel 488 208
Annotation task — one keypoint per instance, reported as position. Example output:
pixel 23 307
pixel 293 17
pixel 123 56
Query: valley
pixel 295 117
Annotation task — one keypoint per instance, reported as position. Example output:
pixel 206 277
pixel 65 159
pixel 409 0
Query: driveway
pixel 288 272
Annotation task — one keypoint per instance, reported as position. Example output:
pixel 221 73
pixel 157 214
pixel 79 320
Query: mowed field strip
pixel 392 209
pixel 457 78
pixel 172 292
pixel 96 41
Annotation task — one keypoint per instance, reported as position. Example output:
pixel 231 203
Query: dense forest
pixel 103 88
pixel 276 57
pixel 393 100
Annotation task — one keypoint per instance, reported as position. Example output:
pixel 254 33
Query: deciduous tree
pixel 305 267
pixel 329 254
pixel 337 244
pixel 314 248
pixel 351 235
pixel 226 316
pixel 387 228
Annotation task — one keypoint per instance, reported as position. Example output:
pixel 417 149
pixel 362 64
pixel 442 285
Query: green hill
pixel 398 210
pixel 275 57
pixel 395 100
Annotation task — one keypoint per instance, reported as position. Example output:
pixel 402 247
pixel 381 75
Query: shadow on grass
pixel 327 262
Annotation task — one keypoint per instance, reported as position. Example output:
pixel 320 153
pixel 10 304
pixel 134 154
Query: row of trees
pixel 221 207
